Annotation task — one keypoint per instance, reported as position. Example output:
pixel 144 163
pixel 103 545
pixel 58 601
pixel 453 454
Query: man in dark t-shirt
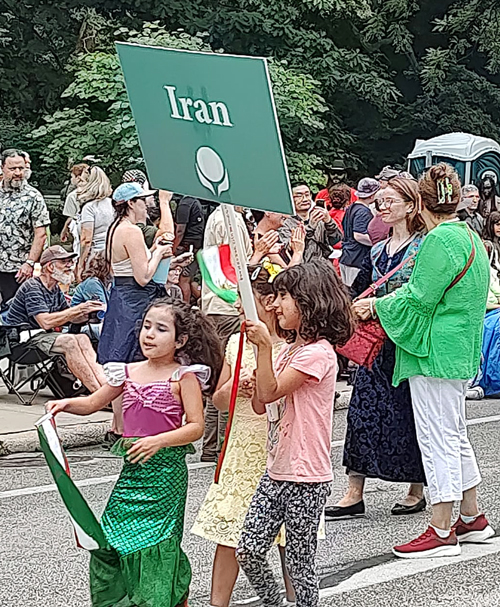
pixel 190 223
pixel 189 231
pixel 34 298
pixel 40 304
pixel 356 243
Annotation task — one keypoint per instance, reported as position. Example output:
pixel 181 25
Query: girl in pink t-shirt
pixel 297 395
pixel 162 415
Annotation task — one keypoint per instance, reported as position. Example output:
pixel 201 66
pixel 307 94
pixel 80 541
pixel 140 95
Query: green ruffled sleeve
pixel 406 314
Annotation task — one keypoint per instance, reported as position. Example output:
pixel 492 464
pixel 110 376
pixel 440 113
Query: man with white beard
pixel 41 304
pixel 23 221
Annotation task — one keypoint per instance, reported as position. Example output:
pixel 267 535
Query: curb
pixel 90 433
pixel 81 435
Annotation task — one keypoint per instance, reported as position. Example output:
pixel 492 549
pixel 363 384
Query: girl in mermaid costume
pixel 144 518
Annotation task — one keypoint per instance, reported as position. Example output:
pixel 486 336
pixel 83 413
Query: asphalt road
pixel 41 567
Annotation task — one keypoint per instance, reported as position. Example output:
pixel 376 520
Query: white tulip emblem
pixel 211 171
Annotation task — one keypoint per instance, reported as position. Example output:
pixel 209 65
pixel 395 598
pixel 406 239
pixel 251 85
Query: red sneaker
pixel 478 531
pixel 428 545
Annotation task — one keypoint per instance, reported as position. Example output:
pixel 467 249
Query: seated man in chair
pixel 41 304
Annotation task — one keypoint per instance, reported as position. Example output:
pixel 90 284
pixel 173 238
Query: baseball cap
pixel 55 252
pixel 367 187
pixel 336 165
pixel 464 203
pixel 127 191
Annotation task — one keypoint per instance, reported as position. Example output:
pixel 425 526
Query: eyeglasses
pixel 302 196
pixel 386 203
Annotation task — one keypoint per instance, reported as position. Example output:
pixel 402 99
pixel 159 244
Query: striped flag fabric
pixel 88 532
pixel 218 272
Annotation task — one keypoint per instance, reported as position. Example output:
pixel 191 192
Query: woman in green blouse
pixel 436 322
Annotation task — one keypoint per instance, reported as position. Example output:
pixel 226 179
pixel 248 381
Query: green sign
pixel 207 125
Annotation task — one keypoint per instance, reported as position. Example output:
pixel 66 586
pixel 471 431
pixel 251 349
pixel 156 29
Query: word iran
pixel 184 108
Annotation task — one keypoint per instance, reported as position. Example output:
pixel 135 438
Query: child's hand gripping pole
pixel 232 402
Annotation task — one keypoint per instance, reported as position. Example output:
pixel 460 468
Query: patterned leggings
pixel 299 506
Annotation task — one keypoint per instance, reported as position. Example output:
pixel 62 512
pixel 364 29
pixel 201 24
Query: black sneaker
pixel 337 513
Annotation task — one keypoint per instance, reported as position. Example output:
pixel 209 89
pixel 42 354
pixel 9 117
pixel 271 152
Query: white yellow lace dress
pixel 223 512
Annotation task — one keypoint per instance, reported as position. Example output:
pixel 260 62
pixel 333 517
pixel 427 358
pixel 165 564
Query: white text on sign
pixel 185 108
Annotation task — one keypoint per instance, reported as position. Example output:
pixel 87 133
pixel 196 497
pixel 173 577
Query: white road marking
pixel 194 466
pixel 401 568
pixel 85 482
pixel 252 599
pixel 483 420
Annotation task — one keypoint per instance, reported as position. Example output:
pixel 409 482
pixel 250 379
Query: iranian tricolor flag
pixel 88 532
pixel 218 272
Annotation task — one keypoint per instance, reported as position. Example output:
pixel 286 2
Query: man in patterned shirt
pixel 23 221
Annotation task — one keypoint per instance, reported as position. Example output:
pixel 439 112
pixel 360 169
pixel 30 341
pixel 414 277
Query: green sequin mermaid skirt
pixel 143 523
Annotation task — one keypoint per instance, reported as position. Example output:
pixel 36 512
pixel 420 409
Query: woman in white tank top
pixel 133 266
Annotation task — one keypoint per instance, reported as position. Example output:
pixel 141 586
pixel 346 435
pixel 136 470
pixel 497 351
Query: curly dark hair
pixel 323 302
pixel 203 344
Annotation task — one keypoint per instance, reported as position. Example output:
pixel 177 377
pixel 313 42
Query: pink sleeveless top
pixel 150 409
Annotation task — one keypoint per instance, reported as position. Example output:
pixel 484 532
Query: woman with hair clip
pixel 436 322
pixel 97 215
pixel 380 439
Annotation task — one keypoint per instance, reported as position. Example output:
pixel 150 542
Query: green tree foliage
pixel 97 119
pixel 446 58
pixel 357 80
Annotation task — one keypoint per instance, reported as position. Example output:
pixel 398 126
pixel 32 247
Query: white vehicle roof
pixel 460 146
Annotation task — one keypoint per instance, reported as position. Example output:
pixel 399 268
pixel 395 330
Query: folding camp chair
pixel 27 365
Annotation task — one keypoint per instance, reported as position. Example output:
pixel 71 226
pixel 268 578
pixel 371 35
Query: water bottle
pixel 161 274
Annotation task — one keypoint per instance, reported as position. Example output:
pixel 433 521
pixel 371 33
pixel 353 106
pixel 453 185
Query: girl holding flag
pixel 297 394
pixel 144 518
pixel 223 512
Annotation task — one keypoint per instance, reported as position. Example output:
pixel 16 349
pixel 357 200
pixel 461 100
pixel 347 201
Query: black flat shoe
pixel 399 509
pixel 337 513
